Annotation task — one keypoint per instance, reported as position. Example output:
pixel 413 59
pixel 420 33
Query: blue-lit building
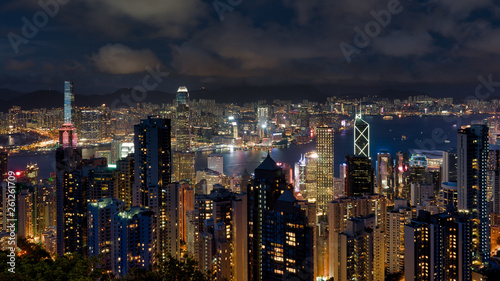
pixel 69 99
pixel 122 239
pixel 472 150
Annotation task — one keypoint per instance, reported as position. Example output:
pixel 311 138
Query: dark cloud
pixel 120 59
pixel 259 42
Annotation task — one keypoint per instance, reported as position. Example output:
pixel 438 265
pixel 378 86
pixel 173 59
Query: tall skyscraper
pixel 262 116
pixel 401 185
pixel 325 182
pixel 361 137
pixel 70 194
pixel 438 247
pixel 67 133
pixel 182 121
pixel 385 169
pixel 183 158
pixel 268 184
pixel 122 239
pixel 359 177
pixel 341 209
pixel 152 177
pixel 360 251
pixel 69 99
pixel 71 202
pixel 311 181
pixel 449 168
pixel 91 125
pixel 396 221
pixel 472 150
pixel 124 180
pixel 494 177
pixel 287 241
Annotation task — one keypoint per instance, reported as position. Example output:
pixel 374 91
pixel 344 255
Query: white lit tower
pixel 361 137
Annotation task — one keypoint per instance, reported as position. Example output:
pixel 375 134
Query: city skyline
pixel 233 140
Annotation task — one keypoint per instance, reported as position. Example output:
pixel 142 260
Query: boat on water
pixel 388 117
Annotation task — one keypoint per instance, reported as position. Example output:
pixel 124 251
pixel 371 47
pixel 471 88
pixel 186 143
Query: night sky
pixel 104 45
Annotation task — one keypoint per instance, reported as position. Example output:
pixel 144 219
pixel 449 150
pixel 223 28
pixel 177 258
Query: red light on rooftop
pixel 18 173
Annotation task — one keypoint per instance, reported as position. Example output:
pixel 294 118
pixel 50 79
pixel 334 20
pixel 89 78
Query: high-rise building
pixel 124 180
pixel 183 166
pixel 183 158
pixel 438 247
pixel 325 163
pixel 151 190
pixel 360 251
pixel 103 231
pixel 359 177
pixel 311 181
pixel 216 162
pixel 385 170
pixel 69 99
pixel 401 185
pixel 268 185
pixel 472 150
pixel 396 221
pixel 71 202
pixel 494 177
pixel 217 235
pixel 361 137
pixel 262 118
pixel 91 125
pixel 122 239
pixel 341 209
pixel 287 241
pixel 449 168
pixel 182 121
pixel 186 205
pixel 70 192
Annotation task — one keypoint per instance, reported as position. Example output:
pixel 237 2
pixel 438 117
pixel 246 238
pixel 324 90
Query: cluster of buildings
pixel 426 215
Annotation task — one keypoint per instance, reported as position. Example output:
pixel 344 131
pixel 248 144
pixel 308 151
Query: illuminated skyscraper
pixel 262 116
pixel 121 239
pixel 182 121
pixel 71 202
pixel 361 137
pixel 70 194
pixel 325 183
pixel 401 185
pixel 359 177
pixel 262 196
pixel 183 158
pixel 69 99
pixel 91 125
pixel 360 254
pixel 438 247
pixel 152 177
pixel 396 221
pixel 287 241
pixel 311 181
pixel 449 167
pixel 385 168
pixel 472 150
